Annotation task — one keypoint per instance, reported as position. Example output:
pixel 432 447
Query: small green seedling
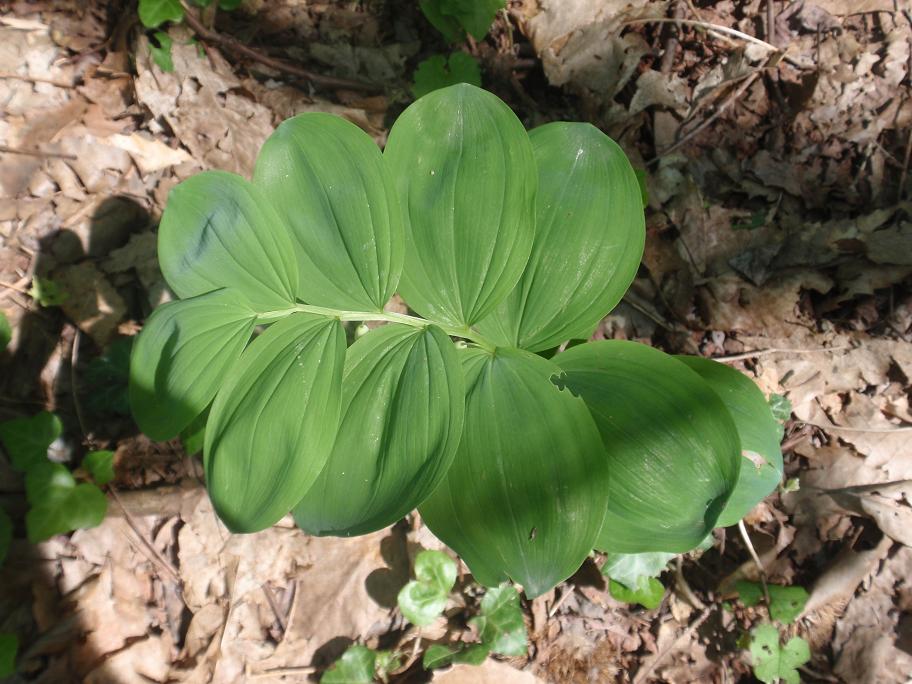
pixel 47 292
pixel 506 245
pixel 774 662
pixel 634 577
pixel 440 71
pixel 157 13
pixel 100 465
pixel 425 597
pixel 356 666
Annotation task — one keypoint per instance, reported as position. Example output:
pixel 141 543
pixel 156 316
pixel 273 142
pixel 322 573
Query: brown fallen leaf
pixel 489 672
pixel 91 301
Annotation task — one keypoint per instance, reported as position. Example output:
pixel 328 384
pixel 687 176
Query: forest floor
pixel 776 136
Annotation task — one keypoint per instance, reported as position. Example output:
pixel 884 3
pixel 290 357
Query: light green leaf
pixel 670 444
pixel 26 440
pixel 6 534
pixel 193 436
pixel 761 464
pixel 647 591
pixel 182 356
pixel 6 332
pixel 424 598
pixel 589 237
pixel 273 421
pixel 100 465
pixel 629 568
pixel 440 71
pixel 161 53
pixel 525 497
pixel 774 662
pixel 219 231
pixel 58 504
pixel 402 408
pixel 154 13
pixel 786 603
pixel 356 666
pixel 437 656
pixel 46 292
pixel 466 176
pixel 9 644
pixel 750 593
pixel 328 183
pixel 781 407
pixel 500 622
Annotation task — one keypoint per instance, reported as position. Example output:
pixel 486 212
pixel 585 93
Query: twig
pixel 157 557
pixel 750 547
pixel 684 586
pixel 16 288
pixel 777 350
pixel 267 592
pixel 885 431
pixel 671 45
pixel 565 594
pixel 643 675
pixel 74 359
pixel 709 27
pixel 236 46
pixel 37 153
pixel 35 79
pixel 281 672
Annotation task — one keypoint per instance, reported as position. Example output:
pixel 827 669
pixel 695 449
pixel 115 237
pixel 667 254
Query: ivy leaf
pixel 27 439
pixel 629 568
pixel 46 292
pixel 9 644
pixel 6 534
pixel 58 504
pixel 439 71
pixel 108 376
pixel 500 622
pixel 154 13
pixel 356 666
pixel 647 591
pixel 774 662
pixel 100 465
pixel 438 655
pixel 424 598
pixel 781 407
pixel 786 603
pixel 6 332
pixel 161 53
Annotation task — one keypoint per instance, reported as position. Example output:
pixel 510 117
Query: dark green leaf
pixel 108 379
pixel 500 622
pixel 356 666
pixel 465 172
pixel 100 465
pixel 670 443
pixel 9 644
pixel 46 292
pixel 750 593
pixel 58 504
pixel 402 408
pixel 230 5
pixel 589 237
pixel 6 332
pixel 328 183
pixel 449 16
pixel 219 231
pixel 161 53
pixel 437 656
pixel 509 505
pixel 424 598
pixel 274 420
pixel 438 71
pixel 154 13
pixel 6 534
pixel 182 356
pixel 758 431
pixel 193 436
pixel 26 440
pixel 774 662
pixel 630 568
pixel 447 24
pixel 647 591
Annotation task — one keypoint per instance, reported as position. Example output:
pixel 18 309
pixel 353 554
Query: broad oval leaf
pixel 327 181
pixel 57 504
pixel 274 420
pixel 525 497
pixel 181 357
pixel 758 430
pixel 589 237
pixel 466 176
pixel 219 231
pixel 671 444
pixel 27 440
pixel 402 408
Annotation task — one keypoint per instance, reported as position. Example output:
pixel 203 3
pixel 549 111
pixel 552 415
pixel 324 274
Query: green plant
pixel 440 71
pixel 359 665
pixel 514 242
pixel 455 18
pixel 774 662
pixel 156 13
pixel 425 597
pixel 633 577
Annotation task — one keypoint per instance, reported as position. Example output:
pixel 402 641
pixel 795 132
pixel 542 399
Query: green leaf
pixel 6 332
pixel 500 622
pixel 448 16
pixel 642 179
pixel 402 415
pixel 647 591
pixel 385 661
pixel 750 593
pixel 424 598
pixel 525 497
pixel 447 24
pixel 58 504
pixel 464 169
pixel 440 656
pixel 758 431
pixel 46 292
pixel 439 71
pixel 774 662
pixel 327 181
pixel 6 534
pixel 100 465
pixel 589 237
pixel 161 53
pixel 781 407
pixel 26 440
pixel 786 603
pixel 154 13
pixel 356 666
pixel 437 656
pixel 669 441
pixel 108 377
pixel 193 436
pixel 274 420
pixel 9 644
pixel 182 356
pixel 219 231
pixel 629 568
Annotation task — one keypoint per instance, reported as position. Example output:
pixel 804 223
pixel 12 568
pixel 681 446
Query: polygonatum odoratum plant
pixel 505 244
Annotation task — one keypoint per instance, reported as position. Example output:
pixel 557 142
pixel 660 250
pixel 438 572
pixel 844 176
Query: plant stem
pixel 465 332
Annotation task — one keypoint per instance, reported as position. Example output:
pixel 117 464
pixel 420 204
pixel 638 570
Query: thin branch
pixel 157 557
pixel 707 26
pixel 37 153
pixel 884 431
pixel 74 390
pixel 777 350
pixel 750 547
pixel 36 79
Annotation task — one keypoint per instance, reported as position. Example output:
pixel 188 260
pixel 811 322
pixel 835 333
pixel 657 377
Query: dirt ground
pixel 776 138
